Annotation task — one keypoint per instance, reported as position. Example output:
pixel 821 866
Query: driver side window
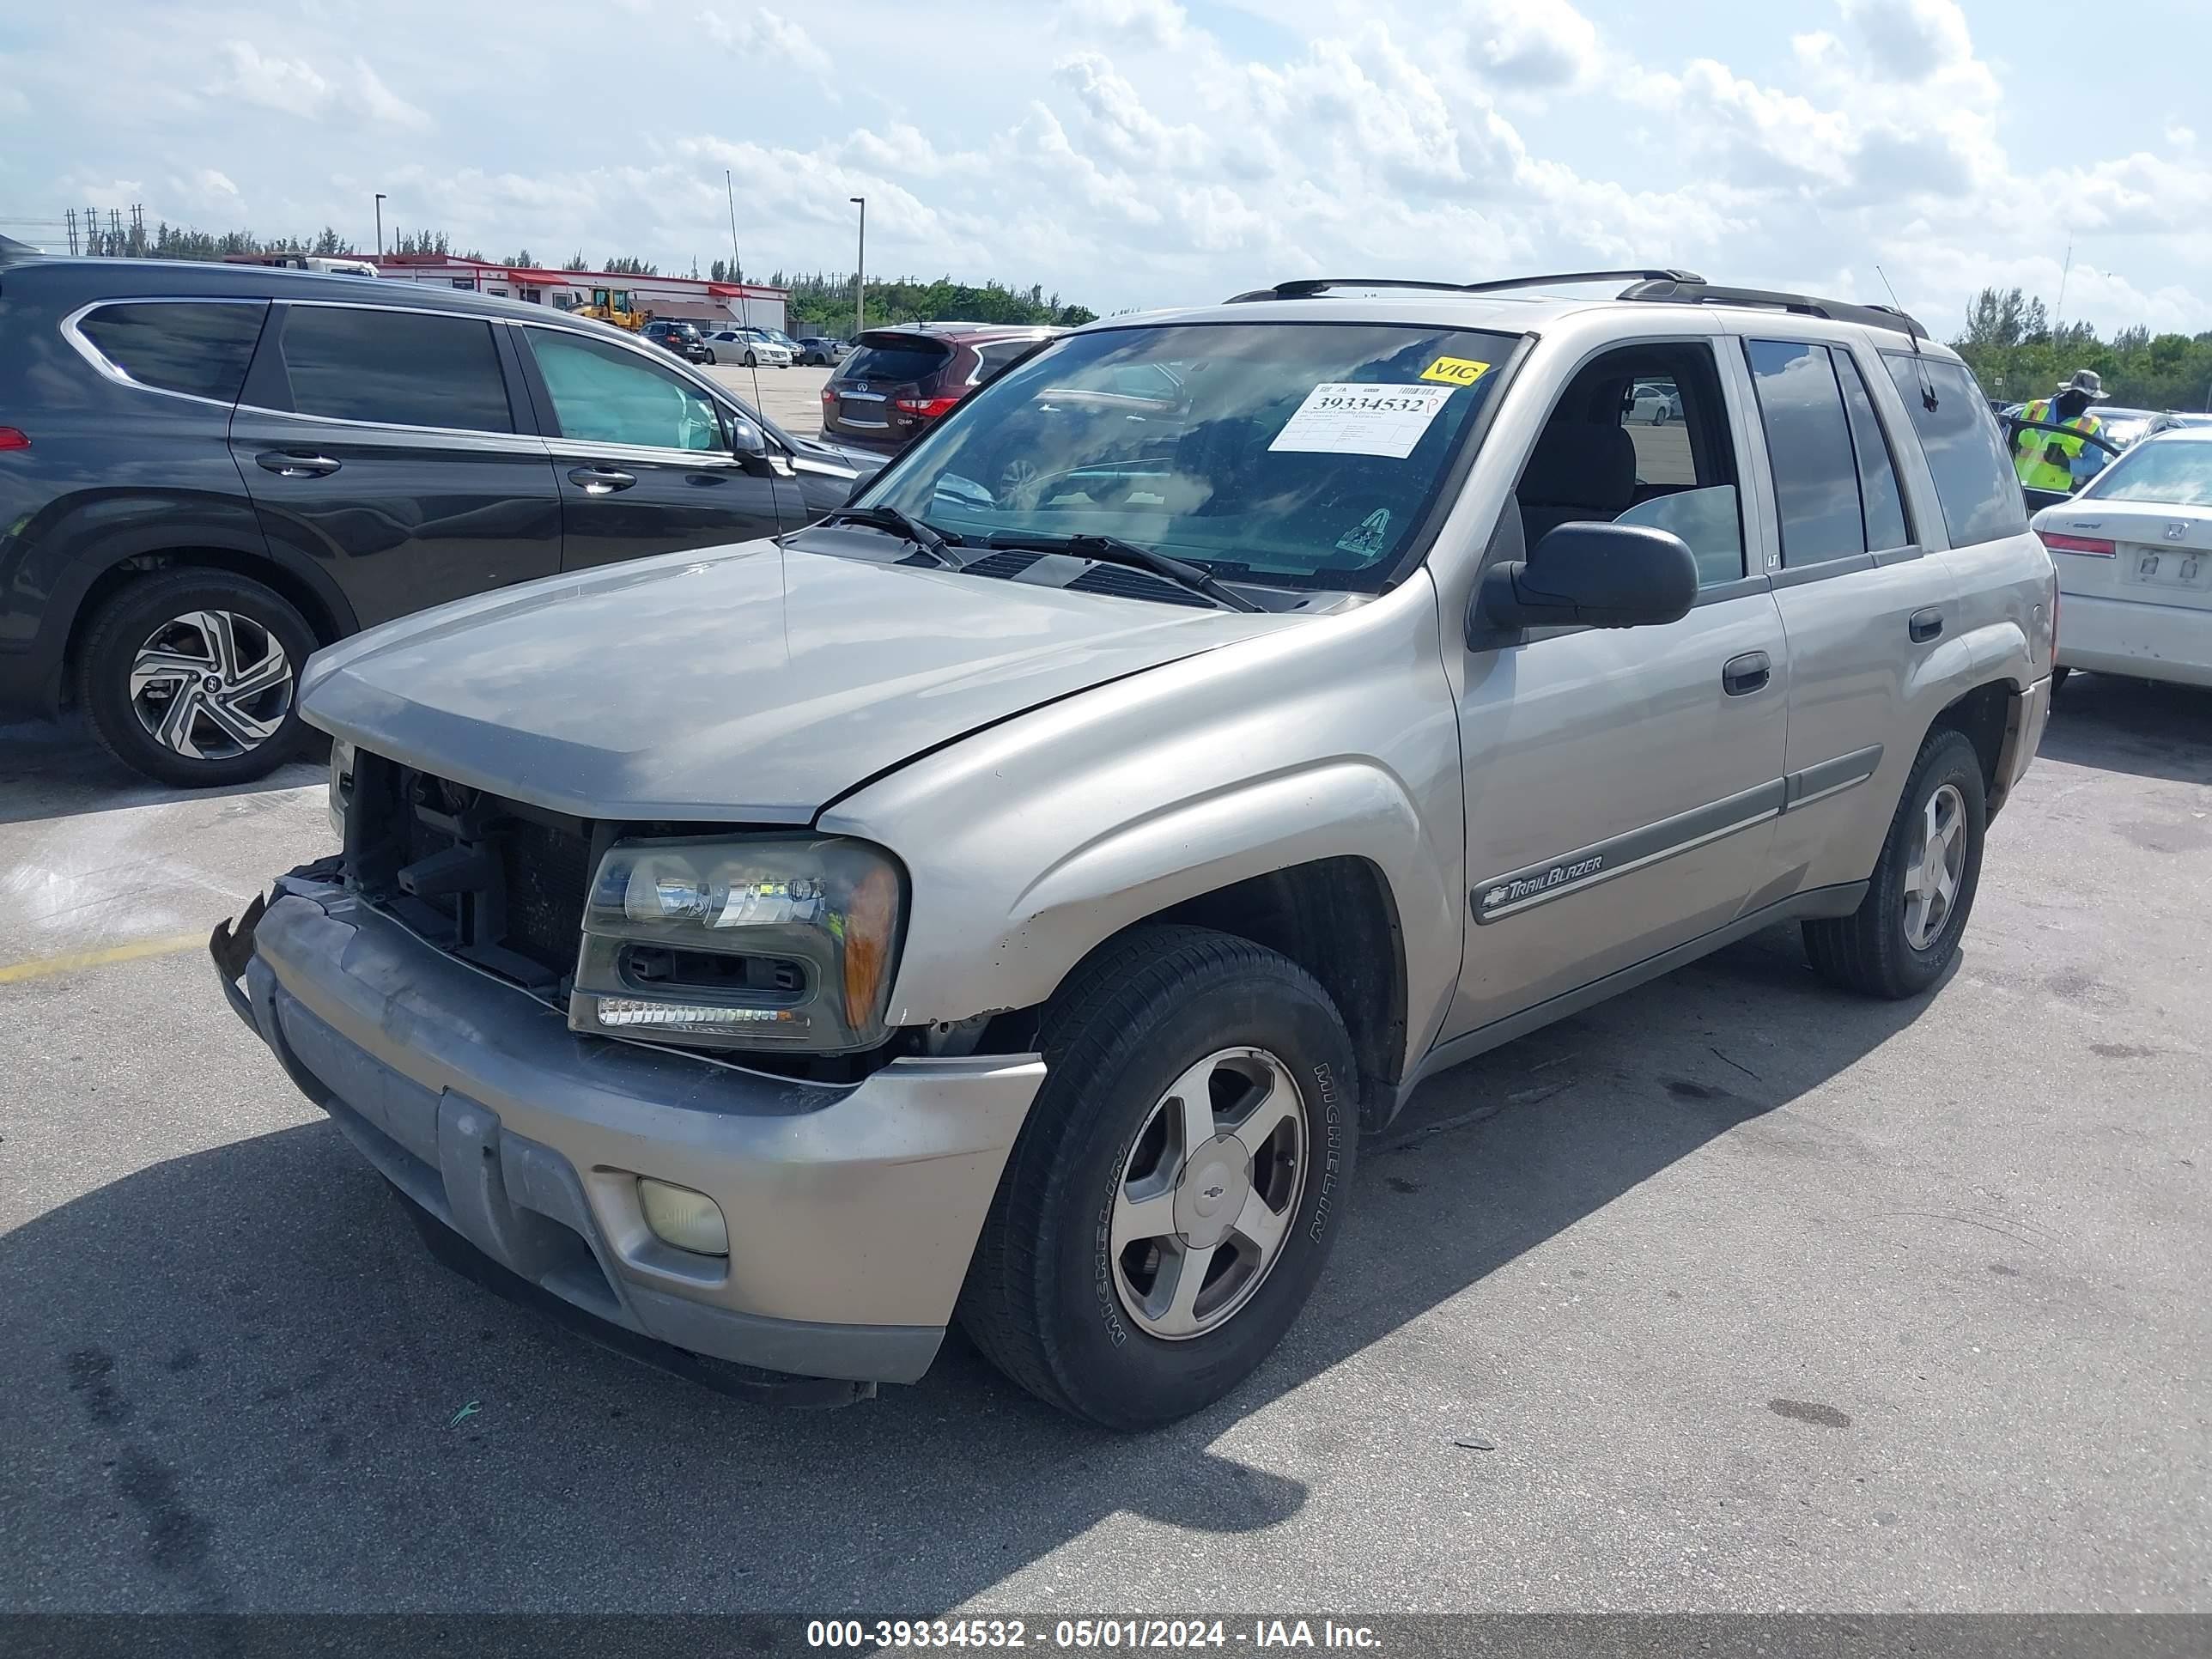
pixel 1640 435
pixel 605 394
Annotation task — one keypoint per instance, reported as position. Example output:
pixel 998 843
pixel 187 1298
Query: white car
pixel 750 346
pixel 2134 552
pixel 1653 405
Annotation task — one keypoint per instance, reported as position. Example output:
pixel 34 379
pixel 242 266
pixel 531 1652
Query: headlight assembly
pixel 736 944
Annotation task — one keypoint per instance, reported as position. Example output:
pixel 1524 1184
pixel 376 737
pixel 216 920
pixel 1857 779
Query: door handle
pixel 296 464
pixel 1741 676
pixel 601 480
pixel 1924 625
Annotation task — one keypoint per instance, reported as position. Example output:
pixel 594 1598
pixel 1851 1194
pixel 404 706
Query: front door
pixel 642 457
pixel 382 444
pixel 1621 785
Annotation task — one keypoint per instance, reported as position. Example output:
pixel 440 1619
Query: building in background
pixel 686 299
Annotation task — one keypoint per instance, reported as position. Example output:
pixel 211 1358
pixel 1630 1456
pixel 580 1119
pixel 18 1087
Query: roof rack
pixel 1671 287
pixel 1306 287
pixel 1680 290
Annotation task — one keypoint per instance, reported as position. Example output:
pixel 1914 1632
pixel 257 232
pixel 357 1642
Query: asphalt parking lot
pixel 1762 1297
pixel 791 397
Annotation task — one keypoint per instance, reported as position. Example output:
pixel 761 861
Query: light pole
pixel 380 224
pixel 860 275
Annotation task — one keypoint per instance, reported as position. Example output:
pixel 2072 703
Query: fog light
pixel 689 1220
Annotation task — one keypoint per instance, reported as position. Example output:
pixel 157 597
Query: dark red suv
pixel 896 382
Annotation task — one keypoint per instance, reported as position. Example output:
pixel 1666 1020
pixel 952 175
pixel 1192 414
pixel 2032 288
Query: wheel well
pixel 1981 715
pixel 1335 919
pixel 303 598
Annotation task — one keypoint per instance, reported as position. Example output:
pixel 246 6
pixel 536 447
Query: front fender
pixel 1033 842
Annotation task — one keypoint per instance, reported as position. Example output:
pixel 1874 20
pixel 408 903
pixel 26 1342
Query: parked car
pixel 2175 419
pixel 208 471
pixel 792 348
pixel 682 339
pixel 2124 426
pixel 1653 405
pixel 2134 552
pixel 1012 906
pixel 752 348
pixel 821 349
pixel 896 383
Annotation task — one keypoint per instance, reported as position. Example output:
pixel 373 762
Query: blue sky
pixel 1133 153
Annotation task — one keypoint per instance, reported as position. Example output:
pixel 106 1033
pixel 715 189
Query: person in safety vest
pixel 2055 460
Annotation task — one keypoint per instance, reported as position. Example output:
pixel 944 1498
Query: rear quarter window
pixel 177 346
pixel 1974 481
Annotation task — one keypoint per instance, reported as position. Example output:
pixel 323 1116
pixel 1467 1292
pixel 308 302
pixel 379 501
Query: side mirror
pixel 749 445
pixel 1592 575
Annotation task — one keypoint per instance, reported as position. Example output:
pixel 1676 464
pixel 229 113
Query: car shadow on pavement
pixel 59 770
pixel 2136 727
pixel 234 1380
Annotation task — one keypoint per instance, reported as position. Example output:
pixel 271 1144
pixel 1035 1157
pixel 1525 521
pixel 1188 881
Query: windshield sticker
pixel 1456 371
pixel 1338 418
pixel 1371 538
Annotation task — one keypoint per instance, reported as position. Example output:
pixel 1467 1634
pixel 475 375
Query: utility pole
pixel 861 273
pixel 68 218
pixel 380 224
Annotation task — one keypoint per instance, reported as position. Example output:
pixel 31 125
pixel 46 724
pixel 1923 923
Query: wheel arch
pixel 317 599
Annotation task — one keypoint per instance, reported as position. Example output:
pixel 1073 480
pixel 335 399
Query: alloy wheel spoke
pixel 272 669
pixel 1259 1125
pixel 175 731
pixel 1138 1217
pixel 166 667
pixel 242 728
pixel 1181 1316
pixel 1260 1226
pixel 1947 884
pixel 1193 1096
pixel 215 626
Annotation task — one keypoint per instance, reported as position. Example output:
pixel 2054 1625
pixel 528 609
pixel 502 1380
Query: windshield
pixel 2176 472
pixel 1307 454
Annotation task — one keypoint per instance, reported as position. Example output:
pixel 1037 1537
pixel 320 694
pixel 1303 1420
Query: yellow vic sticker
pixel 1456 371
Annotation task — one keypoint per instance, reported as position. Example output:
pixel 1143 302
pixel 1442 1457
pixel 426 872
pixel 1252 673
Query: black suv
pixel 207 472
pixel 682 339
pixel 896 383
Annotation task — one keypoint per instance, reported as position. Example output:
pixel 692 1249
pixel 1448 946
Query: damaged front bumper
pixel 852 1211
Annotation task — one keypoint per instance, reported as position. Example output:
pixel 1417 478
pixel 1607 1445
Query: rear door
pixel 1863 602
pixel 641 455
pixel 384 444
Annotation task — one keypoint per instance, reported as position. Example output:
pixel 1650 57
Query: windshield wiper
pixel 1112 550
pixel 930 540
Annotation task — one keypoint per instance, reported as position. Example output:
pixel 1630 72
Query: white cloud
pixel 279 83
pixel 770 34
pixel 372 98
pixel 295 87
pixel 1130 22
pixel 1539 46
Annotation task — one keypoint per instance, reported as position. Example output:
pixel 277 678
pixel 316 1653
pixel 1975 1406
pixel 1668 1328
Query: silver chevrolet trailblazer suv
pixel 1010 898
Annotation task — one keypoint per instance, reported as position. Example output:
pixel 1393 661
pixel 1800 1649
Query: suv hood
pixel 742 684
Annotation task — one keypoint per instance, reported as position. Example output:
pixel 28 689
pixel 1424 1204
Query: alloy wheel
pixel 1938 865
pixel 211 685
pixel 1204 1205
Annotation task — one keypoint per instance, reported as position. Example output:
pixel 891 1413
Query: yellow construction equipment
pixel 612 305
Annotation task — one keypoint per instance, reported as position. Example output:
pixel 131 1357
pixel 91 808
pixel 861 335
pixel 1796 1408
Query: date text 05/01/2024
pixel 1100 1634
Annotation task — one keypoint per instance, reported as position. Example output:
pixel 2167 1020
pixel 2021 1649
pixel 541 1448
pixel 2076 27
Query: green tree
pixel 576 261
pixel 525 260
